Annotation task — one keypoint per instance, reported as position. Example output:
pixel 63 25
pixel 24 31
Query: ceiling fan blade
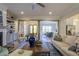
pixel 40 4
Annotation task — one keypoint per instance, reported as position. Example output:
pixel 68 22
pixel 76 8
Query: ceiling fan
pixel 41 5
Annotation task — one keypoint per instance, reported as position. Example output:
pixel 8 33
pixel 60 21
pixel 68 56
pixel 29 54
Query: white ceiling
pixel 57 9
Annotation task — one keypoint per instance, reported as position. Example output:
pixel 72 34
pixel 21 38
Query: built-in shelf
pixel 10 21
pixel 10 29
pixel 7 24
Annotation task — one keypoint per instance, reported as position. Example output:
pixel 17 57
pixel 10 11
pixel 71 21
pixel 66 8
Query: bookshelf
pixel 7 28
pixel 10 28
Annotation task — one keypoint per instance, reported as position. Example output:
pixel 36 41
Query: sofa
pixel 63 46
pixel 3 51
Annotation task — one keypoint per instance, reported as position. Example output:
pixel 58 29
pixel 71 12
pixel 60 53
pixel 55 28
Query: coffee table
pixel 41 50
pixel 37 50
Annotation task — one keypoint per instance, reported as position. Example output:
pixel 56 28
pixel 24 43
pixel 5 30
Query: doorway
pixel 47 28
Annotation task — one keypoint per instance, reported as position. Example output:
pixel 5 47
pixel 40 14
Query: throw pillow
pixel 77 50
pixel 58 38
pixel 73 47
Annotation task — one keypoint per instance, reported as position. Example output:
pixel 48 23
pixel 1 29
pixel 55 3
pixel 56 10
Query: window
pixel 47 29
pixel 33 29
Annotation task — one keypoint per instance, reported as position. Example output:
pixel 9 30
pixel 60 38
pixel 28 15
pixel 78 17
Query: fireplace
pixel 1 38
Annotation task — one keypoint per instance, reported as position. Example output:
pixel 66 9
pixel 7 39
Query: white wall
pixel 76 23
pixel 62 27
pixel 16 26
pixel 73 20
pixel 21 27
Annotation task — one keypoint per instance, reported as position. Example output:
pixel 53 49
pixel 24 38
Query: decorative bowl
pixel 21 52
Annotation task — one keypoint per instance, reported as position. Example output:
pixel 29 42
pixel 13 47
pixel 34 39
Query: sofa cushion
pixel 77 50
pixel 60 44
pixel 73 47
pixel 68 52
pixel 58 38
pixel 70 40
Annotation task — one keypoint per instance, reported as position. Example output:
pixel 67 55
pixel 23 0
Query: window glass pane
pixel 35 29
pixel 44 29
pixel 31 29
pixel 47 29
pixel 24 29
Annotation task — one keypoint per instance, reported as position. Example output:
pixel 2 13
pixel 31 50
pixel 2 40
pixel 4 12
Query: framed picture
pixel 70 29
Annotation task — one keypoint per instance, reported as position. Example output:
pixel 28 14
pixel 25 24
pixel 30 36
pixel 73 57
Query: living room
pixel 55 25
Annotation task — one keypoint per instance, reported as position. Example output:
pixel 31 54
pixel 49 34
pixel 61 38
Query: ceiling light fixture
pixel 22 12
pixel 50 13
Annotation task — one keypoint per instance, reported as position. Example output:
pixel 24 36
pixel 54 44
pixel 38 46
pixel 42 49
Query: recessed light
pixel 50 13
pixel 22 12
